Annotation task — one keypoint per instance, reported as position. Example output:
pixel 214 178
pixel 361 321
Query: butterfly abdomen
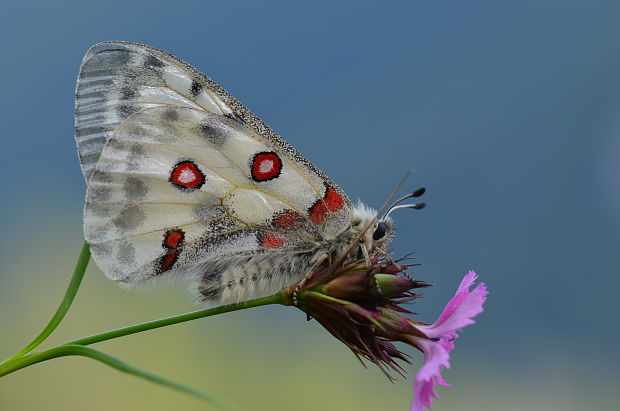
pixel 234 280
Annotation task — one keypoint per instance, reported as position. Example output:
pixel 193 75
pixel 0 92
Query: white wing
pixel 184 180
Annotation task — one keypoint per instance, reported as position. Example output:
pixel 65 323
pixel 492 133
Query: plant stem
pixel 176 319
pixel 74 284
pixel 17 363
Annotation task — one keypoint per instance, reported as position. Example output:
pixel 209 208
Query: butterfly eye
pixel 379 232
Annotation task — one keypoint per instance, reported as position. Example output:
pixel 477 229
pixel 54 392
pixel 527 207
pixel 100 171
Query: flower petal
pixel 461 309
pixel 458 313
pixel 435 357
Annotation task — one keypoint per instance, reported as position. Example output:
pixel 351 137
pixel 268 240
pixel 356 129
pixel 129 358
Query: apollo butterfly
pixel 184 181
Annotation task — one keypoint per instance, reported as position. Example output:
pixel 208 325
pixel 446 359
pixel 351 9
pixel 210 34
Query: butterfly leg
pixel 366 255
pixel 386 255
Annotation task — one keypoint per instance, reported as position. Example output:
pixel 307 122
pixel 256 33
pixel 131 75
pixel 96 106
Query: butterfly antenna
pixel 418 206
pixel 355 242
pixel 415 206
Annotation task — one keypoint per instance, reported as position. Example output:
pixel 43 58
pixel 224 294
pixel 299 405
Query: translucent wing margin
pixel 118 79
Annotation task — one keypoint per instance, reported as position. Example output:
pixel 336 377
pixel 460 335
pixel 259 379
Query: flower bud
pixel 352 286
pixel 392 286
pixel 362 307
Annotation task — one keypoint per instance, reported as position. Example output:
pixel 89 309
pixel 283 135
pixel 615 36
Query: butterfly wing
pixel 185 181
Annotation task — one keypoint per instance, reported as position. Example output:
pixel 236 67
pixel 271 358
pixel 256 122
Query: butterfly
pixel 184 182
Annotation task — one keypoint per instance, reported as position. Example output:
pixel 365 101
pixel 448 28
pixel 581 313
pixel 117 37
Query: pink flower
pixel 458 313
pixel 363 306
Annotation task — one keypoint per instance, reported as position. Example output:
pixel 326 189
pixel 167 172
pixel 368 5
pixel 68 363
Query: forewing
pixel 180 173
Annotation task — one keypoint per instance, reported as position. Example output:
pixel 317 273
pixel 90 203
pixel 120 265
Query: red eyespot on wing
pixel 318 212
pixel 168 260
pixel 271 240
pixel 332 202
pixel 186 174
pixel 265 166
pixel 173 238
pixel 288 219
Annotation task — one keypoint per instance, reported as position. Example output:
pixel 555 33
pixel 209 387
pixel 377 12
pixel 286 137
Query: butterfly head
pixel 382 229
pixel 379 234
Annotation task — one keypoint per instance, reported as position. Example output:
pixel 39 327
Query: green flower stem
pixel 176 319
pixel 17 363
pixel 74 285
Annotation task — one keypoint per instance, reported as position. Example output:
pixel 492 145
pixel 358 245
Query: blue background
pixel 508 111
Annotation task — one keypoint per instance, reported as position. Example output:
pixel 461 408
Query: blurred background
pixel 509 112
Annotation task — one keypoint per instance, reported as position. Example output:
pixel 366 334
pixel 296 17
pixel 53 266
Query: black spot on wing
pixel 234 117
pixel 170 114
pixel 100 193
pixel 135 189
pixel 130 218
pixel 125 110
pixel 213 132
pixel 153 62
pixel 196 88
pixel 129 93
pixel 98 209
pixel 126 254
